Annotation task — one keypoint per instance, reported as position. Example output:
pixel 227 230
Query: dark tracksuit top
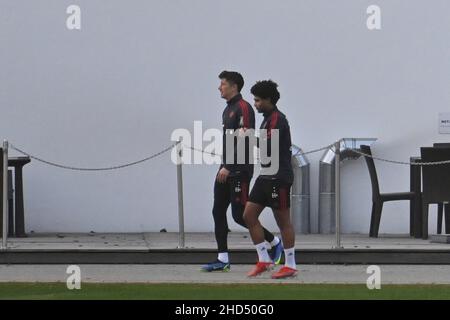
pixel 237 114
pixel 277 120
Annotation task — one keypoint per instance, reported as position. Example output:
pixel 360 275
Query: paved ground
pixel 236 240
pixel 355 274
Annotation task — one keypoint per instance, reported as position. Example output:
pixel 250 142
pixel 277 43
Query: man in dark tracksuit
pixel 233 179
pixel 272 188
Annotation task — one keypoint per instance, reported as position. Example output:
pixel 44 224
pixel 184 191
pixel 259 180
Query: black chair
pixel 378 199
pixel 436 181
pixel 441 205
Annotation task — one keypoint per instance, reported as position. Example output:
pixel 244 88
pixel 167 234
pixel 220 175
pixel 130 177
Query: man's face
pixel 262 105
pixel 227 90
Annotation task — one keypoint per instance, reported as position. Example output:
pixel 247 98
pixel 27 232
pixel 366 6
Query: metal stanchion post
pixel 181 235
pixel 337 163
pixel 5 195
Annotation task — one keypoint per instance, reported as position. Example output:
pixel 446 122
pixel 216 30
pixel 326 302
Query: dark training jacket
pixel 277 120
pixel 238 114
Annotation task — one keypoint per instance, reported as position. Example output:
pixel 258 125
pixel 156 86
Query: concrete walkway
pixel 352 274
pixel 236 240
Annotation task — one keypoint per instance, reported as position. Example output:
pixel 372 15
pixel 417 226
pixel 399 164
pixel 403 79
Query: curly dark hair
pixel 233 77
pixel 266 89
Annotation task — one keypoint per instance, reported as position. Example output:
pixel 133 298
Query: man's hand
pixel 222 175
pixel 242 132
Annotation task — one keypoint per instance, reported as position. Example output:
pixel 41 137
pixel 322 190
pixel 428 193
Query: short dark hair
pixel 233 77
pixel 266 89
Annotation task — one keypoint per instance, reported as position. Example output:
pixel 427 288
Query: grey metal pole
pixel 181 236
pixel 337 181
pixel 5 195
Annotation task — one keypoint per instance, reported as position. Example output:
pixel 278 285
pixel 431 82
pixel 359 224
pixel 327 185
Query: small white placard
pixel 444 122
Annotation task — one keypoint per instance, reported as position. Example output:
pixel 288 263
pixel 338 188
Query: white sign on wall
pixel 444 122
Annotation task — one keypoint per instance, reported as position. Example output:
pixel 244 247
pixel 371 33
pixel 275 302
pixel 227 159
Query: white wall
pixel 114 91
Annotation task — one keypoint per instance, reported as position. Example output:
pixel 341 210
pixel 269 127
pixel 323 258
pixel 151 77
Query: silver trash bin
pixel 327 217
pixel 300 195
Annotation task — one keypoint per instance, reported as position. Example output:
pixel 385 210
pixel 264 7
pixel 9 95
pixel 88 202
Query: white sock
pixel 275 241
pixel 289 256
pixel 268 245
pixel 223 256
pixel 263 255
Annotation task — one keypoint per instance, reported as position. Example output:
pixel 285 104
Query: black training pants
pixel 234 191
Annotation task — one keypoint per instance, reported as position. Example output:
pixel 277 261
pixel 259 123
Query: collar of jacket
pixel 235 99
pixel 268 113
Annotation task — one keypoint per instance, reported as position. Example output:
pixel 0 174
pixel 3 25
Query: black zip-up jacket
pixel 277 120
pixel 238 114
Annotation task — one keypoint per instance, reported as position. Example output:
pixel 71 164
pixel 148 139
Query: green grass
pixel 221 292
